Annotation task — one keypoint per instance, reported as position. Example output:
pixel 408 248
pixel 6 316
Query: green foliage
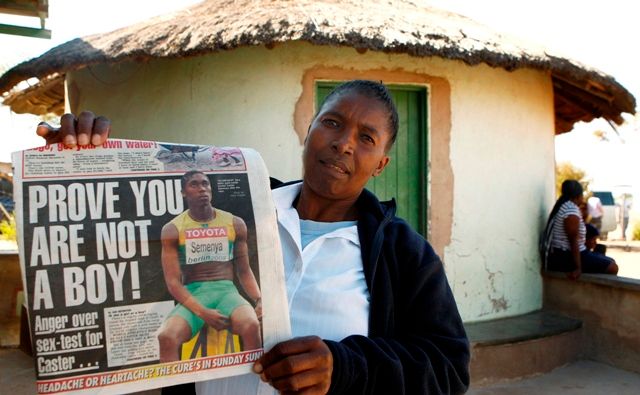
pixel 635 232
pixel 8 229
pixel 567 171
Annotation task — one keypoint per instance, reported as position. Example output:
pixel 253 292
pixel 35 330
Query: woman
pixel 564 242
pixel 397 330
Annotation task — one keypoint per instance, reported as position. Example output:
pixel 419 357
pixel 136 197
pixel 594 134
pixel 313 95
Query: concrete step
pixel 522 346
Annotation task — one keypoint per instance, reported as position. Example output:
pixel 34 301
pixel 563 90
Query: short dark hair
pixel 187 176
pixel 375 90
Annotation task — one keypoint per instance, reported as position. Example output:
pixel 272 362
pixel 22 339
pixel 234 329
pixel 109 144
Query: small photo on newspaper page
pixel 147 264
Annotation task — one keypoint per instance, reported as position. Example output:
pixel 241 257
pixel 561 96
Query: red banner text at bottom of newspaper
pixel 145 372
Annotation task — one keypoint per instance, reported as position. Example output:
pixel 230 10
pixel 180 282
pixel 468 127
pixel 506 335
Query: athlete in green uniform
pixel 202 249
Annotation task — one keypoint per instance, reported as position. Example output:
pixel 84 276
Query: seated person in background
pixel 591 240
pixel 565 236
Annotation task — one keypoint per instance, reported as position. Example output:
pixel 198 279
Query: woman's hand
pixel 297 366
pixel 85 129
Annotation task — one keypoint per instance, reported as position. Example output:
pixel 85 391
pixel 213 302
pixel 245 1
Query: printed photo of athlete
pixel 202 250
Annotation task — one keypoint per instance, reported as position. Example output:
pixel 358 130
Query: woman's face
pixel 346 145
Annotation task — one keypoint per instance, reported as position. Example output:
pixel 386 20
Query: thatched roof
pixel 400 26
pixel 45 97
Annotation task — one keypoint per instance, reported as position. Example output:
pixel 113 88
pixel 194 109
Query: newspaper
pixel 127 247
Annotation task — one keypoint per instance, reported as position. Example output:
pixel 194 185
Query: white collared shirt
pixel 326 288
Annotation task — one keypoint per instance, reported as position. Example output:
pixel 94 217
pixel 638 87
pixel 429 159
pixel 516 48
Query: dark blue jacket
pixel 416 342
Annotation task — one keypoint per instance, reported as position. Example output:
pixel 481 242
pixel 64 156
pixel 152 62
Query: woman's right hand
pixel 81 130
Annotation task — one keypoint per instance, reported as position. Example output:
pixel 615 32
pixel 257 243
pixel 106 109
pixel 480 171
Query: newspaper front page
pixel 127 247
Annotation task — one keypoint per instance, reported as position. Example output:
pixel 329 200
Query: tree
pixel 568 171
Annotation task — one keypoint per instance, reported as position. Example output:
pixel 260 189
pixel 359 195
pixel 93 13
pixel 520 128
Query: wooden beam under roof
pixel 36 8
pixel 28 8
pixel 597 104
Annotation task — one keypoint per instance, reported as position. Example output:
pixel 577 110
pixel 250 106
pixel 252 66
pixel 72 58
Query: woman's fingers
pixel 68 130
pixel 48 132
pixel 299 366
pixel 101 130
pixel 86 129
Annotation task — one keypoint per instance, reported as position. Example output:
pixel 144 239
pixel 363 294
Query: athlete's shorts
pixel 221 295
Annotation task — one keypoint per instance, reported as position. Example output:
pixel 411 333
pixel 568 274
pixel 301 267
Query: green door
pixel 405 177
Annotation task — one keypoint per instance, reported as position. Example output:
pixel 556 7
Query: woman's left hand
pixel 296 366
pixel 85 129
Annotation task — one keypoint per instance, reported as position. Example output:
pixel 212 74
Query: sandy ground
pixel 628 262
pixel 625 252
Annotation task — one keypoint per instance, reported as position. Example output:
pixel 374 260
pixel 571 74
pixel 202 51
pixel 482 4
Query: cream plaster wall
pixel 501 148
pixel 502 153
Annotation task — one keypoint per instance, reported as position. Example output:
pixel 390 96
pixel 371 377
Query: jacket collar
pixel 369 203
